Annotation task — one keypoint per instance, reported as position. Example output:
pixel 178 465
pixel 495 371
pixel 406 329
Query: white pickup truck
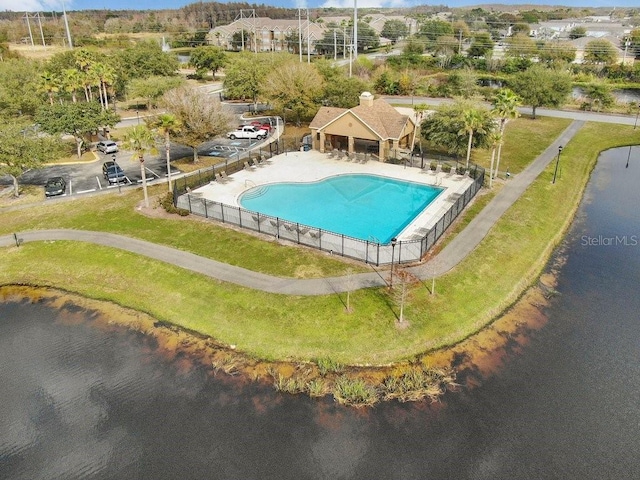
pixel 248 131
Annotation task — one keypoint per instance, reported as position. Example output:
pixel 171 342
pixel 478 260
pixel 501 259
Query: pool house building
pixel 373 126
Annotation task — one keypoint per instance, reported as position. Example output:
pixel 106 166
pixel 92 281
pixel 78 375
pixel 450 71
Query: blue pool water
pixel 367 207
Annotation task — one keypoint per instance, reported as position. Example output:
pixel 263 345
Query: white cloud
pixel 33 5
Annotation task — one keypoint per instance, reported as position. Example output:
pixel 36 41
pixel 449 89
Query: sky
pixel 70 5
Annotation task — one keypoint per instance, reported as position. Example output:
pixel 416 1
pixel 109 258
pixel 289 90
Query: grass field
pixel 289 327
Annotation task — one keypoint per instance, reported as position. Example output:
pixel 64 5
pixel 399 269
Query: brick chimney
pixel 366 99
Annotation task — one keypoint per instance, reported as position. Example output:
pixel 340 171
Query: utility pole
pixel 241 17
pixel 40 25
pixel 66 25
pixel 335 46
pixel 350 57
pixel 355 28
pixel 344 43
pixel 300 33
pixel 308 38
pixel 26 15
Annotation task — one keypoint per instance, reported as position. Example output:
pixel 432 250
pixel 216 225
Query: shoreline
pixel 471 360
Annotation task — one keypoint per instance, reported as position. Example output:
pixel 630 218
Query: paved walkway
pixel 461 246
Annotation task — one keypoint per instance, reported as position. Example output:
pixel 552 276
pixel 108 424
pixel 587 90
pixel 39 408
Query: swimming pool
pixel 367 207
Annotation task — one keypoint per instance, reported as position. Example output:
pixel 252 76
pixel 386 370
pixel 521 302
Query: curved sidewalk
pixel 461 246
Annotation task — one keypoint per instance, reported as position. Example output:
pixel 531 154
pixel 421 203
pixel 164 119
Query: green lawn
pixel 524 140
pixel 288 327
pixel 117 214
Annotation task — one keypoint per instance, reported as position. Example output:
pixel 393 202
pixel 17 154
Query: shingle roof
pixel 383 119
pixel 325 116
pixel 380 117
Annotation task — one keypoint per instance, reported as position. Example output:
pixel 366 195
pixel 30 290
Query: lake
pixel 80 400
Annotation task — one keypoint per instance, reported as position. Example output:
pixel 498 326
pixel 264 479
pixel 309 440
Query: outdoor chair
pixel 249 167
pixel 219 177
pixel 224 175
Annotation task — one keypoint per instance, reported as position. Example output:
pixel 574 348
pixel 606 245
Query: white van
pixel 107 146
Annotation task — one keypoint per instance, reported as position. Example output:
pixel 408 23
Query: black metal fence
pixel 407 251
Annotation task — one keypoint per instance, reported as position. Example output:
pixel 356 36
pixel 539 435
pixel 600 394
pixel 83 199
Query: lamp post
pixel 394 240
pixel 557 163
pixel 635 124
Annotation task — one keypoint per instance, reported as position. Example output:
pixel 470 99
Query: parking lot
pixel 86 177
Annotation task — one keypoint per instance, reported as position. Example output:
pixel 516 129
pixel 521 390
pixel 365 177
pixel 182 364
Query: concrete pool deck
pixel 313 166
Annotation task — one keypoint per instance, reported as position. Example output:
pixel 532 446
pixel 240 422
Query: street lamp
pixel 557 163
pixel 394 240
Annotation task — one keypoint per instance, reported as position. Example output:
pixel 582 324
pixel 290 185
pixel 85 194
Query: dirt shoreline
pixel 466 364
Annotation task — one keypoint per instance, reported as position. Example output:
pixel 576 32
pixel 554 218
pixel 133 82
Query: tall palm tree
pixel 505 107
pixel 473 122
pixel 83 61
pixel 495 139
pixel 140 140
pixel 166 125
pixel 72 82
pixel 105 76
pixel 418 111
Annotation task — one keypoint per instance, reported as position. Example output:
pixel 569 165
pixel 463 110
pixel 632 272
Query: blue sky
pixel 49 5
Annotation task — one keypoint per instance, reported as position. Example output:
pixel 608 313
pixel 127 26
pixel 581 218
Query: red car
pixel 262 125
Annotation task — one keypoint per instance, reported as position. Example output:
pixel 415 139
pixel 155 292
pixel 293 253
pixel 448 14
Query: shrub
pixel 290 385
pixel 354 391
pixel 326 365
pixel 460 170
pixel 417 383
pixel 446 168
pixel 317 388
pixel 166 202
pixel 433 166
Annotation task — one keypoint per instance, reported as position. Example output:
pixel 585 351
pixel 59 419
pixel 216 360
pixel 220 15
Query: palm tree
pixel 495 140
pixel 83 61
pixel 473 122
pixel 71 82
pixel 418 111
pixel 140 140
pixel 166 125
pixel 505 107
pixel 49 84
pixel 105 75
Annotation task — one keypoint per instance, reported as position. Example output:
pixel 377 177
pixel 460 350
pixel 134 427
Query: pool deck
pixel 312 166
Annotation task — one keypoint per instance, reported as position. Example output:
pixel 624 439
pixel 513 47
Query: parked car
pixel 113 173
pixel 248 131
pixel 55 186
pixel 262 125
pixel 107 146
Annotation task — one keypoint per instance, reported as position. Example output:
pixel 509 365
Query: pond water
pixel 79 401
